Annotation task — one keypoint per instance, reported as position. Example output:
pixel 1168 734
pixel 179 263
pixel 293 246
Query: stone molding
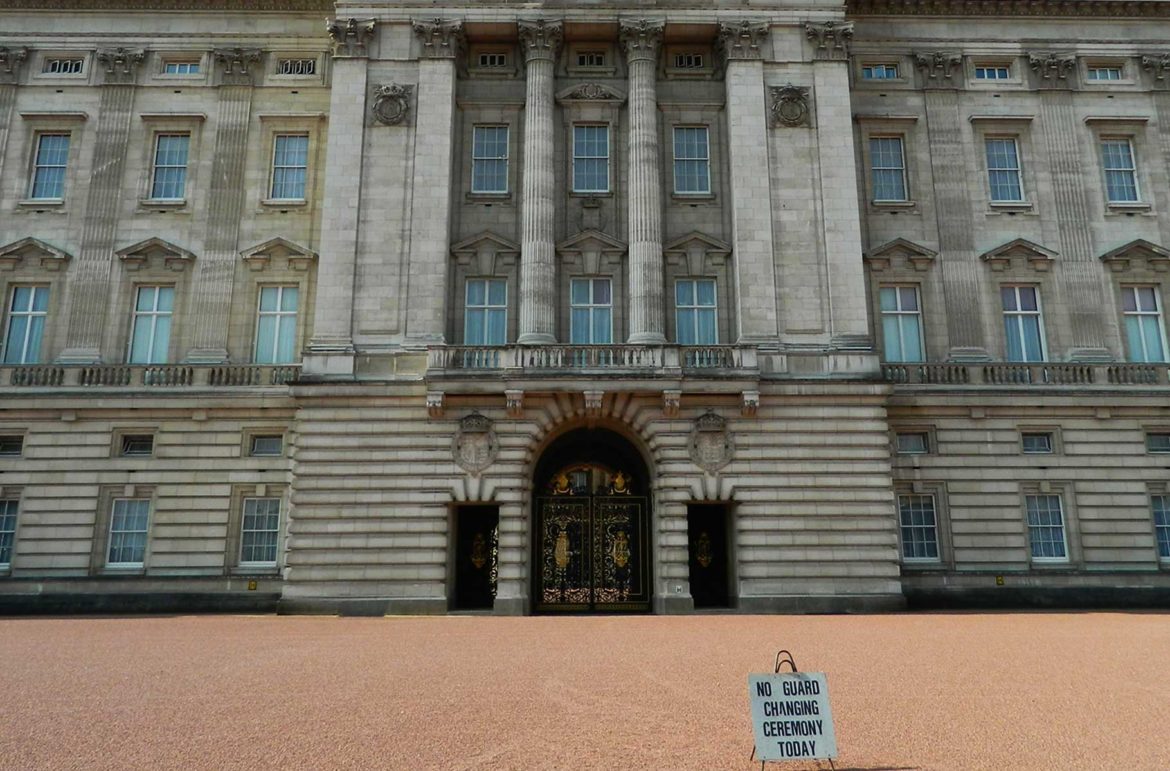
pixel 440 39
pixel 938 65
pixel 1052 66
pixel 259 257
pixel 11 62
pixel 540 38
pixel 1122 258
pixel 591 246
pixel 830 40
pixel 741 40
pixel 888 254
pixel 1044 8
pixel 670 403
pixel 350 39
pixel 641 39
pixel 154 6
pixel 514 402
pixel 789 106
pixel 137 256
pixel 593 402
pixel 591 92
pixel 51 258
pixel 435 404
pixel 490 252
pixel 475 445
pixel 391 104
pixel 121 64
pixel 1001 257
pixel 710 446
pixel 700 252
pixel 236 64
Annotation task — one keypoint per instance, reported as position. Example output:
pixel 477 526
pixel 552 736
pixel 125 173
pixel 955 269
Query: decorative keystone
pixel 670 403
pixel 514 403
pixel 750 404
pixel 435 404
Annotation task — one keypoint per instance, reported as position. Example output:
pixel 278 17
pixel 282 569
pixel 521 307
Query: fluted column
pixel 539 41
pixel 641 41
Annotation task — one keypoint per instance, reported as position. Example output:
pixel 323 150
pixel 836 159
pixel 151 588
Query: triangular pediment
pixel 900 251
pixel 1020 251
pixel 591 92
pixel 262 255
pixel 1138 250
pixel 490 251
pixel 700 252
pixel 137 255
pixel 15 253
pixel 589 247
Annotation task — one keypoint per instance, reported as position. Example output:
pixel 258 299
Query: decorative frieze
pixel 475 445
pixel 710 446
pixel 236 64
pixel 440 39
pixel 641 39
pixel 591 92
pixel 50 257
pixel 391 104
pixel 938 66
pixel 789 106
pixel 1140 251
pixel 11 62
pixel 1050 67
pixel 120 64
pixel 350 38
pixel 1035 8
pixel 141 254
pixel 830 40
pixel 1019 250
pixel 742 40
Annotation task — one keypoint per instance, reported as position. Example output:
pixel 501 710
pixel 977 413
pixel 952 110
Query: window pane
pixel 1152 335
pixel 579 290
pixel 269 297
pixel 579 326
pixel 266 339
pixel 288 299
pixel 706 293
pixel 911 338
pixel 888 298
pixel 601 326
pixel 287 335
pixel 476 290
pixel 497 293
pixel 908 298
pixel 687 324
pixel 14 346
pixel 892 338
pixel 707 334
pixel 496 332
pixel 601 291
pixel 684 293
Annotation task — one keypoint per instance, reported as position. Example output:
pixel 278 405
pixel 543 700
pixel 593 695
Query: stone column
pixel 11 62
pixel 540 41
pixel 89 286
pixel 641 41
pixel 431 196
pixel 330 351
pixel 753 259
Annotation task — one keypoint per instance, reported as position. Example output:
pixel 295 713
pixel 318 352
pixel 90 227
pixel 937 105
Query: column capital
pixel 350 38
pixel 11 62
pixel 440 39
pixel 831 39
pixel 121 64
pixel 741 40
pixel 641 39
pixel 236 64
pixel 540 38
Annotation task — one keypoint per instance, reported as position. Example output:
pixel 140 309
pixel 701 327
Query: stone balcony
pixel 1037 374
pixel 141 376
pixel 595 360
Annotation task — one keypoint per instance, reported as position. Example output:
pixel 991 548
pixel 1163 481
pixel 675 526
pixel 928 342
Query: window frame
pixel 703 161
pixel 109 545
pixel 272 168
pixel 592 307
pixel 50 56
pixel 900 315
pixel 696 308
pixel 279 58
pixel 1150 449
pixel 10 505
pixel 1019 169
pixel 29 315
pixel 486 308
pixel 36 166
pixel 506 159
pixel 608 166
pixel 154 315
pixel 1139 314
pixel 1065 526
pixel 886 67
pixel 244 564
pixel 926 434
pixel 155 166
pixel 936 526
pixel 1018 315
pixel 278 314
pixel 992 66
pixel 1161 538
pixel 1131 145
pixel 874 168
pixel 1033 432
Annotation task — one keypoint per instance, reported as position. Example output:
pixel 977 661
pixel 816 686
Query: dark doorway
pixel 591 526
pixel 476 546
pixel 707 545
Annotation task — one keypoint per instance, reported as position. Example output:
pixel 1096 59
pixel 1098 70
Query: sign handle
pixel 785 657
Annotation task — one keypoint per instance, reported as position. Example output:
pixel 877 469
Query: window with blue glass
pixel 169 180
pixel 8 511
pixel 1023 323
pixel 879 72
pixel 993 72
pixel 1003 169
pixel 290 163
pixel 692 160
pixel 27 312
pixel 919 528
pixel 888 168
pixel 591 159
pixel 150 331
pixel 1046 534
pixel 695 311
pixel 276 325
pixel 901 323
pixel 52 158
pixel 1145 336
pixel 1120 170
pixel 489 159
pixel 485 320
pixel 591 311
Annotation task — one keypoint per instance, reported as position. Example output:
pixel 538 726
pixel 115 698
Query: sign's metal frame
pixel 784 657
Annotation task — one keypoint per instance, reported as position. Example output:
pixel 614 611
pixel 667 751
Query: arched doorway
pixel 591 525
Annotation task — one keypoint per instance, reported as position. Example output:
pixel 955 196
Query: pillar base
pixel 647 338
pixel 80 356
pixel 968 354
pixel 536 338
pixel 206 356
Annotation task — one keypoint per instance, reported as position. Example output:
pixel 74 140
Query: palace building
pixel 389 307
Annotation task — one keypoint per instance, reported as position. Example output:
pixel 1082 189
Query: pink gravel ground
pixel 937 691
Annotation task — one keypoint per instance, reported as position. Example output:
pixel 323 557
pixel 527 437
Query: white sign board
pixel 791 716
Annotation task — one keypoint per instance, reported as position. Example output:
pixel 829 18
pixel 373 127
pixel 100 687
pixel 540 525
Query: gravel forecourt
pixel 909 691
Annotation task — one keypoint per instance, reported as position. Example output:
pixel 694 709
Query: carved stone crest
pixel 789 106
pixel 350 38
pixel 475 445
pixel 590 91
pixel 710 445
pixel 831 39
pixel 121 63
pixel 391 104
pixel 938 65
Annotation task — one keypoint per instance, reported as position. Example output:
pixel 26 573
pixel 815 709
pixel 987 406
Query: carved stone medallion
pixel 710 446
pixel 391 104
pixel 475 445
pixel 789 106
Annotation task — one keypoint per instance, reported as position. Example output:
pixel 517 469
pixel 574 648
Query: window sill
pixel 162 203
pixel 1127 207
pixel 1010 207
pixel 41 203
pixel 692 197
pixel 474 197
pixel 587 194
pixel 123 570
pixel 893 206
pixel 267 570
pixel 284 203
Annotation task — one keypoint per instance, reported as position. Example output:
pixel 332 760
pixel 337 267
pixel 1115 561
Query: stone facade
pixel 362 286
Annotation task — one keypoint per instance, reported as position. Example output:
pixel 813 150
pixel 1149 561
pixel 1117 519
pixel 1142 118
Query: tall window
pixel 1003 169
pixel 901 323
pixel 1120 170
pixel 888 164
pixel 276 325
pixel 1143 323
pixel 8 510
pixel 489 159
pixel 26 324
pixel 1046 528
pixel 695 311
pixel 169 181
pixel 150 331
pixel 591 159
pixel 260 531
pixel 591 311
pixel 290 161
pixel 1161 506
pixel 919 528
pixel 129 523
pixel 692 160
pixel 48 181
pixel 485 319
pixel 1022 324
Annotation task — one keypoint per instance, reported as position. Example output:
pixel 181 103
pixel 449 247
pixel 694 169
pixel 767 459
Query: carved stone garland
pixel 789 106
pixel 391 105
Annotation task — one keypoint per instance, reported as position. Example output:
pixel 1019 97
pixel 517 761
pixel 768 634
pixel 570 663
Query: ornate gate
pixel 592 549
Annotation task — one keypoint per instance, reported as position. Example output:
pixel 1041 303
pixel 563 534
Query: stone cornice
pixel 1042 8
pixel 251 6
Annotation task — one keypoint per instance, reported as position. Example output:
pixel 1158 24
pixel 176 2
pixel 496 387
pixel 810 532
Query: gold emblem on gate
pixel 620 484
pixel 621 549
pixel 561 550
pixel 478 551
pixel 703 550
pixel 561 484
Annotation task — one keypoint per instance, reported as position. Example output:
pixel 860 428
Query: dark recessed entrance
pixel 591 528
pixel 476 547
pixel 707 545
